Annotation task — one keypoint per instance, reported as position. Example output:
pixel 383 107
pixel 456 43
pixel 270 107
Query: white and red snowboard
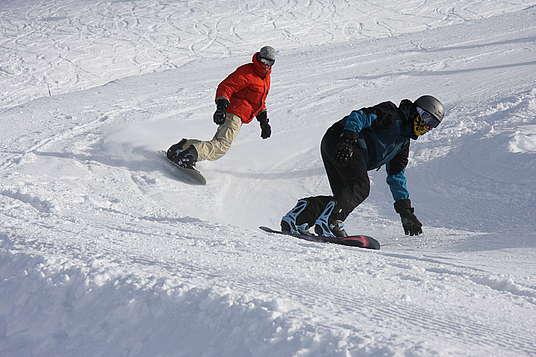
pixel 360 241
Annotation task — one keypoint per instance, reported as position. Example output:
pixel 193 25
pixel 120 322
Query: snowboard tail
pixel 360 241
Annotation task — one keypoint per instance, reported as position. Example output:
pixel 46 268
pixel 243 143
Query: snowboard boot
pixel 327 228
pixel 288 222
pixel 186 158
pixel 175 149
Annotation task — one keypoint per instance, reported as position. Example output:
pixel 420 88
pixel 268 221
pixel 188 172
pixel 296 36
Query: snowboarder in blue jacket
pixel 365 140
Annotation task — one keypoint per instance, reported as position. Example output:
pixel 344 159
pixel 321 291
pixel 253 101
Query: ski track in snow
pixel 100 243
pixel 61 46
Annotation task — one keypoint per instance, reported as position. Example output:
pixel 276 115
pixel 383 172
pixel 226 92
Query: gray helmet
pixel 268 52
pixel 432 105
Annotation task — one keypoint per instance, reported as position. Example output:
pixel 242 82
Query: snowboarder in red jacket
pixel 239 98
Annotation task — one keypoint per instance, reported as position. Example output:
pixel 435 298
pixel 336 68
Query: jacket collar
pixel 258 67
pixel 407 108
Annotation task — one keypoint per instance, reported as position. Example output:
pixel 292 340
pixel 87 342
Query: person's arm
pixel 234 82
pixel 359 120
pixel 230 85
pixel 356 121
pixel 381 115
pixel 396 179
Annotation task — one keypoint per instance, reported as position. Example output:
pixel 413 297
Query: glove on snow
pixel 220 115
pixel 345 147
pixel 412 226
pixel 266 130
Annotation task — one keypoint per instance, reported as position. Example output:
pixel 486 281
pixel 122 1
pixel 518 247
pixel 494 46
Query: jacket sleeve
pixel 359 120
pixel 380 116
pixel 232 84
pixel 263 106
pixel 398 185
pixel 396 177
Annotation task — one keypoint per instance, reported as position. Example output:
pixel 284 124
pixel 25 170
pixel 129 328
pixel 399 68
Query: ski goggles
pixel 427 119
pixel 267 61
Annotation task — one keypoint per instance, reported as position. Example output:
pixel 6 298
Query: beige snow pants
pixel 220 143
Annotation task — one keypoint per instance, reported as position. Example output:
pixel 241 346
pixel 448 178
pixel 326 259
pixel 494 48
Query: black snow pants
pixel 350 184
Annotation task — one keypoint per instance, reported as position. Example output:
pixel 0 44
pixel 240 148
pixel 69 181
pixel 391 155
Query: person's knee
pixel 223 146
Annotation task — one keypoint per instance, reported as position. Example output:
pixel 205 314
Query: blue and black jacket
pixel 384 133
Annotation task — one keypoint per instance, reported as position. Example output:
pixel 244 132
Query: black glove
pixel 412 226
pixel 266 130
pixel 220 114
pixel 345 147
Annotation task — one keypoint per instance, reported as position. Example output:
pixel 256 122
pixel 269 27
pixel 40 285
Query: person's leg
pixel 350 184
pixel 220 143
pixel 175 149
pixel 304 214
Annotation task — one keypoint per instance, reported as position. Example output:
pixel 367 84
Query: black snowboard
pixel 360 241
pixel 191 176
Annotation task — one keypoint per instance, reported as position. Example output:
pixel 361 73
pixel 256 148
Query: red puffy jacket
pixel 246 90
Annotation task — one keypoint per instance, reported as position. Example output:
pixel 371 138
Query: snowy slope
pixel 104 253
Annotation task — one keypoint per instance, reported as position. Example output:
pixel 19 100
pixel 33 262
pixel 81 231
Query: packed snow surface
pixel 103 252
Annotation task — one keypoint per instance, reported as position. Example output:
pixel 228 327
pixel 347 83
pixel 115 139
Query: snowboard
pixel 360 241
pixel 191 176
